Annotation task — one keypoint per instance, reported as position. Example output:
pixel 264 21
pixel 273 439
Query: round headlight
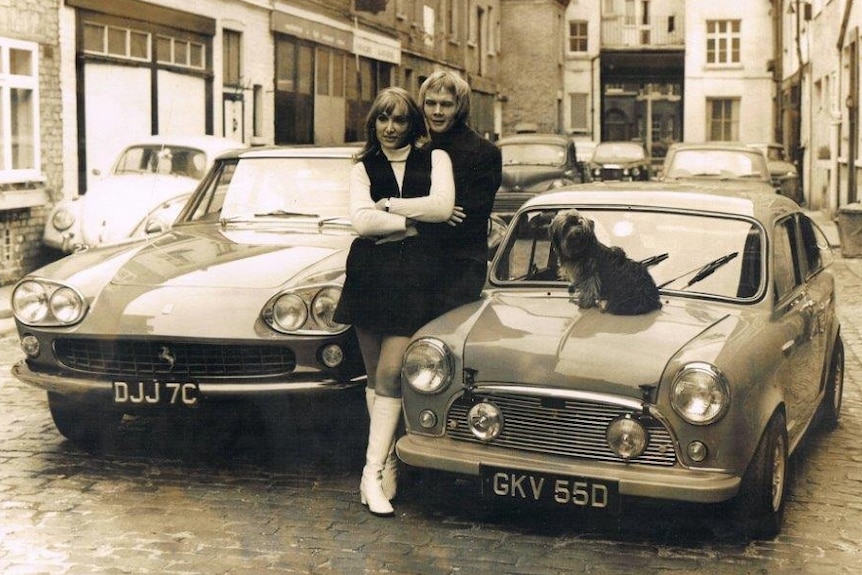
pixel 66 305
pixel 63 219
pixel 323 308
pixel 627 437
pixel 30 302
pixel 699 394
pixel 485 421
pixel 289 312
pixel 427 366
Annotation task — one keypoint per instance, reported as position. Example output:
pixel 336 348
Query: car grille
pixel 611 174
pixel 570 428
pixel 142 358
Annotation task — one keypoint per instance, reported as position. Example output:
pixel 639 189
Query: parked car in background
pixel 626 161
pixel 785 176
pixel 534 163
pixel 731 165
pixel 584 148
pixel 233 303
pixel 147 173
pixel 702 401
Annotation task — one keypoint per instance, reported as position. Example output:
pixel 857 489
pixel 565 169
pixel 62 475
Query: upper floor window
pixel 19 109
pixel 723 41
pixel 578 36
pixel 116 41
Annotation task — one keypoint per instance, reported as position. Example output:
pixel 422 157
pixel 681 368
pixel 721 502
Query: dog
pixel 600 276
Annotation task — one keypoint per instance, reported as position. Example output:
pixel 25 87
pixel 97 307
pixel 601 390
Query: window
pixel 579 112
pixel 232 55
pixel 786 271
pixel 452 20
pixel 116 42
pixel 722 41
pixel 179 52
pixel 578 36
pixel 19 107
pixel 723 118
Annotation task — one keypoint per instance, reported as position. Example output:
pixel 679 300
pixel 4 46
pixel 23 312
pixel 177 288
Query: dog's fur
pixel 600 275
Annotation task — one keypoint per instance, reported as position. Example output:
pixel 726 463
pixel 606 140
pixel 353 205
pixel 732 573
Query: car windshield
pixel 717 164
pixel 691 254
pixel 284 188
pixel 618 152
pixel 533 154
pixel 162 159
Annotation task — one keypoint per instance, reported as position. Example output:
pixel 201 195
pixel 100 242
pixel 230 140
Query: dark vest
pixel 417 175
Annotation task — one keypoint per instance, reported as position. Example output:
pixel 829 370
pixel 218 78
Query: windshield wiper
pixel 703 272
pixel 286 214
pixel 653 260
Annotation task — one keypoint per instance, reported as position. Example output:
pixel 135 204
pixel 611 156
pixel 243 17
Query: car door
pixel 795 319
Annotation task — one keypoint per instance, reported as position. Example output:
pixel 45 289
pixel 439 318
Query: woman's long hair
pixel 385 102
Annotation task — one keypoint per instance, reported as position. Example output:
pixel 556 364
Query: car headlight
pixel 427 366
pixel 43 302
pixel 323 308
pixel 289 312
pixel 700 394
pixel 305 311
pixel 62 220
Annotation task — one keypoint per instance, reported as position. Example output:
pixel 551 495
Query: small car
pixel 619 161
pixel 785 176
pixel 700 401
pixel 233 303
pixel 732 165
pixel 146 173
pixel 534 163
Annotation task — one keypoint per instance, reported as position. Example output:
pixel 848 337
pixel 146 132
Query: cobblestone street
pixel 228 495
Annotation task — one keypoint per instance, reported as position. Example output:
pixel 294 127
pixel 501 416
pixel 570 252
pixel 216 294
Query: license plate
pixel 156 393
pixel 550 490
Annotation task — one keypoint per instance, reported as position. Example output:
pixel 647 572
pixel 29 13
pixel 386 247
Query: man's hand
pixel 381 204
pixel 458 215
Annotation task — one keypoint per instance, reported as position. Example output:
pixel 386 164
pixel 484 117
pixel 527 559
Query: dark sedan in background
pixel 534 163
pixel 626 161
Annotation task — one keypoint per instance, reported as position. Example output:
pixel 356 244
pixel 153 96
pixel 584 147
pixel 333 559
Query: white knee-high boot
pixel 390 467
pixel 384 420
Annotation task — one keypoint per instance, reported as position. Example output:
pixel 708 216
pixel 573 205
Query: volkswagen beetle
pixel 701 401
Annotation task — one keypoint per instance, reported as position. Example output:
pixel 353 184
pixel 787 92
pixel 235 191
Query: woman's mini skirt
pixel 389 287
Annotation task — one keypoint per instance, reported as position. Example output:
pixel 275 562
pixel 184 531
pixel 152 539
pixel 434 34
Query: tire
pixel 759 506
pixel 83 423
pixel 830 408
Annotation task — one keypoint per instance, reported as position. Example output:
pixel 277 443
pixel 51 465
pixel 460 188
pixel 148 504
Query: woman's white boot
pixel 385 416
pixel 390 467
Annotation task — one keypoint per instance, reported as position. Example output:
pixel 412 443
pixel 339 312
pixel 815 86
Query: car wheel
pixel 83 423
pixel 759 506
pixel 831 406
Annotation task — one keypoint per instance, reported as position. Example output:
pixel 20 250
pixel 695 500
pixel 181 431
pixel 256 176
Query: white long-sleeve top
pixel 369 221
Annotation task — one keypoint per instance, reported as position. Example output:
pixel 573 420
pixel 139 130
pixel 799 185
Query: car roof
pixel 535 139
pixel 710 146
pixel 764 206
pixel 300 151
pixel 204 142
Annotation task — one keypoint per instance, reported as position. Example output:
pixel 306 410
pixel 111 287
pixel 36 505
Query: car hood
pixel 779 168
pixel 111 209
pixel 547 341
pixel 529 178
pixel 191 276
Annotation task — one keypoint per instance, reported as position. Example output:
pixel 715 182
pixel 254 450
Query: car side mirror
pixel 155 226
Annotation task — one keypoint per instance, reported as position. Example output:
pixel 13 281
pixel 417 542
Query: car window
pixel 691 242
pixel 276 187
pixel 533 154
pixel 717 163
pixel 816 252
pixel 161 159
pixel 786 269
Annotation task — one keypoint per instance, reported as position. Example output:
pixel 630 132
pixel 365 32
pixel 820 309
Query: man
pixel 477 165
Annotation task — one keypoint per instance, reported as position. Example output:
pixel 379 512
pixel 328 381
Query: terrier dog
pixel 600 275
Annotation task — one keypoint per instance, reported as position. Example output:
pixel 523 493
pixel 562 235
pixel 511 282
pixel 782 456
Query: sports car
pixel 700 401
pixel 146 174
pixel 234 302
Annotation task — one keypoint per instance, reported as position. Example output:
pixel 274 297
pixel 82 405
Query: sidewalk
pixel 828 226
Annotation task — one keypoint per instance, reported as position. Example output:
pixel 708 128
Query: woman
pixel 391 268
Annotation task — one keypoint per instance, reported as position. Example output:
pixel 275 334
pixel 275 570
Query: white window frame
pixel 585 37
pixel 724 56
pixel 8 82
